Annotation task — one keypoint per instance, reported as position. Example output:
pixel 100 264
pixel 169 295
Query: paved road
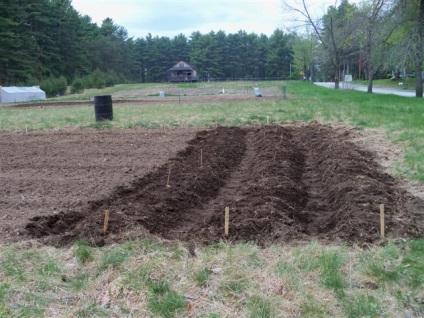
pixel 363 88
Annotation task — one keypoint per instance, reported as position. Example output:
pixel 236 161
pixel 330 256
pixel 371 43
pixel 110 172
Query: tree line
pixel 48 41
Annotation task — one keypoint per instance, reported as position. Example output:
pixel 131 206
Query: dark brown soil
pixel 282 184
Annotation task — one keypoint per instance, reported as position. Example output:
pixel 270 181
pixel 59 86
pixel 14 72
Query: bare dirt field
pixel 282 184
pixel 172 95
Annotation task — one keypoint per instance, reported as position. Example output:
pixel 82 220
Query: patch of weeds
pixel 136 279
pixel 92 310
pixel 168 304
pixel 49 269
pixel 250 254
pixel 259 307
pixel 32 304
pixel 376 266
pixel 11 265
pixel 202 277
pixel 362 305
pixel 331 276
pixel 4 308
pixel 29 311
pixel 5 311
pixel 163 301
pixel 150 245
pixel 113 257
pixel 290 275
pixel 306 258
pixel 158 287
pixel 312 308
pixel 413 264
pixel 235 283
pixel 83 252
pixel 79 281
pixel 210 315
pixel 104 124
pixel 178 253
pixel 4 288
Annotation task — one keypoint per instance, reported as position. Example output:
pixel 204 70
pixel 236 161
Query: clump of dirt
pixel 282 183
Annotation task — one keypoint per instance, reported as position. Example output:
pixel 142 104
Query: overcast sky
pixel 172 17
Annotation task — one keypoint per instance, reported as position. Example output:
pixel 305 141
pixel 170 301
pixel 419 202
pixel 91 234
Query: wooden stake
pixel 167 181
pixel 201 157
pixel 227 221
pixel 26 129
pixel 382 230
pixel 106 222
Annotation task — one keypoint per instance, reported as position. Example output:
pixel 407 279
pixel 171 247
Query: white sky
pixel 172 17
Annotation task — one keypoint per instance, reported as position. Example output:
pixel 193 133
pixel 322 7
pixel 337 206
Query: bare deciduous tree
pixel 374 26
pixel 333 30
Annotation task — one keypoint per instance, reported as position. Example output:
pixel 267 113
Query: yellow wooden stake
pixel 382 230
pixel 167 181
pixel 106 222
pixel 227 221
pixel 201 157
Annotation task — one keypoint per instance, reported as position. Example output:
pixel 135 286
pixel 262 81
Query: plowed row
pixel 281 183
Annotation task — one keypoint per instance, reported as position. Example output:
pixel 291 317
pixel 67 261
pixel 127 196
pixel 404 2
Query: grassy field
pixel 154 278
pixel 403 83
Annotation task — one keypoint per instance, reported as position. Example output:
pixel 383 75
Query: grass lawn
pixel 152 278
pixel 403 83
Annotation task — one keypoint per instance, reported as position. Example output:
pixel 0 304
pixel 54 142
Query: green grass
pixel 154 280
pixel 202 277
pixel 407 83
pixel 259 307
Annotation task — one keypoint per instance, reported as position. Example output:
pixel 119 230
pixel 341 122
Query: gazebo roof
pixel 185 67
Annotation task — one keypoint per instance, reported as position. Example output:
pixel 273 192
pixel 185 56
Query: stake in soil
pixel 167 181
pixel 106 222
pixel 382 231
pixel 227 221
pixel 201 157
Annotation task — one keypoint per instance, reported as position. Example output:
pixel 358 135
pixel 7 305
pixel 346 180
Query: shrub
pixel 77 86
pixel 54 86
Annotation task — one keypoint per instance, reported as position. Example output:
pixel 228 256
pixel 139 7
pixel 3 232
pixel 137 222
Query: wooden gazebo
pixel 182 72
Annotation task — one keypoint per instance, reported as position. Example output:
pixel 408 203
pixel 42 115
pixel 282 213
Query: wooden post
pixel 106 222
pixel 167 181
pixel 227 221
pixel 382 229
pixel 201 157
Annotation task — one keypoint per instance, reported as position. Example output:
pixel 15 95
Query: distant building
pixel 15 94
pixel 182 72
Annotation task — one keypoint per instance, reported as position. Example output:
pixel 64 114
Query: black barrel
pixel 103 107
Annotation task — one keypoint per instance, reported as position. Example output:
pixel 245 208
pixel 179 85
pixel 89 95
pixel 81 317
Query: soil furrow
pixel 281 183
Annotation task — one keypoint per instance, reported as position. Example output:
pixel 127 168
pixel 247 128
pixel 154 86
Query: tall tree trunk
pixel 419 54
pixel 370 80
pixel 337 69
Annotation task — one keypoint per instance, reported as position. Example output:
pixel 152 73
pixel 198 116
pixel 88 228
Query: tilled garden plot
pixel 281 183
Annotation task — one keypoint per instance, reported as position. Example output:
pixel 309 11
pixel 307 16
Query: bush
pixel 77 86
pixel 61 85
pixel 54 86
